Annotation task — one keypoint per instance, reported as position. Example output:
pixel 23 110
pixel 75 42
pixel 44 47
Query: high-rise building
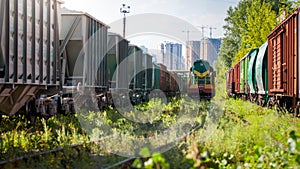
pixel 172 55
pixel 192 53
pixel 209 50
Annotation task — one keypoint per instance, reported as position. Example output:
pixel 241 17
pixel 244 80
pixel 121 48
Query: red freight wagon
pixel 174 79
pixel 163 77
pixel 230 84
pixel 283 61
pixel 236 78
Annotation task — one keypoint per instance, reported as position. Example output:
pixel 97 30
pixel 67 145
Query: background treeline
pixel 248 25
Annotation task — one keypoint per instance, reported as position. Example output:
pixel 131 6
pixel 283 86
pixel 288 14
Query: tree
pixel 260 21
pixel 248 25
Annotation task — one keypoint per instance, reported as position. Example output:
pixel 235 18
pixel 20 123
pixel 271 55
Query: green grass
pixel 236 134
pixel 248 136
pixel 19 137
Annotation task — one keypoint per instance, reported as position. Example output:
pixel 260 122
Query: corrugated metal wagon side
pixel 243 66
pixel 236 78
pixel 135 58
pixel 155 76
pixel 136 75
pixel 117 61
pixel 261 74
pixel 283 56
pixel 175 81
pixel 29 51
pixel 149 71
pixel 252 83
pixel 229 82
pixel 163 77
pixel 84 51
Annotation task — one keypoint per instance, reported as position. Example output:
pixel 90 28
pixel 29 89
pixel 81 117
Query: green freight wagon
pixel 117 61
pixel 156 77
pixel 261 72
pixel 251 75
pixel 135 60
pixel 244 74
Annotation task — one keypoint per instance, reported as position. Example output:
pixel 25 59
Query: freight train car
pixel 84 50
pixel 261 74
pixel 174 84
pixel 273 73
pixel 164 81
pixel 117 63
pixel 201 83
pixel 251 73
pixel 283 63
pixel 53 60
pixel 230 82
pixel 136 79
pixel 155 77
pixel 248 78
pixel 29 32
pixel 148 70
pixel 241 80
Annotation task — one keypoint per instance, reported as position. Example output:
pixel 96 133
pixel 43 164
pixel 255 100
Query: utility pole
pixel 124 9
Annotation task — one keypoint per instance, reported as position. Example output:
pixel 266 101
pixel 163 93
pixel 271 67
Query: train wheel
pixel 31 111
pixel 71 107
pixel 297 109
pixel 270 103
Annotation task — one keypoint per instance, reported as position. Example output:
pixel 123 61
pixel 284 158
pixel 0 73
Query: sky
pixel 169 20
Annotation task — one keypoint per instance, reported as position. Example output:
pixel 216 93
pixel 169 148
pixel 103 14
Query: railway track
pixel 128 161
pixel 84 147
pixel 78 147
pixel 37 155
pixel 123 163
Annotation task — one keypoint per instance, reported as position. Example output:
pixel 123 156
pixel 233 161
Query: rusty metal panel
pixel 163 77
pixel 282 56
pixel 276 62
pixel 298 64
pixel 229 81
pixel 237 78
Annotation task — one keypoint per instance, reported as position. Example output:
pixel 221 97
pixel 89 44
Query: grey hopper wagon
pixel 135 67
pixel 117 61
pixel 84 52
pixel 28 51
